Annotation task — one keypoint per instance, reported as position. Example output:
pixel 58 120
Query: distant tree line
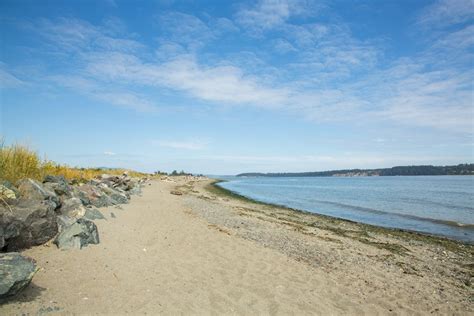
pixel 426 170
pixel 174 173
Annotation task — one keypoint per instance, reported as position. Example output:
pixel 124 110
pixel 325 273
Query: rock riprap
pixel 80 234
pixel 16 272
pixel 31 210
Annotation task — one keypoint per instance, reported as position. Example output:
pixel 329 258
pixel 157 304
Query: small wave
pixel 446 205
pixel 408 216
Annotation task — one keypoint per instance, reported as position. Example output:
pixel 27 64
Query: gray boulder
pixel 108 177
pixel 80 234
pixel 64 222
pixel 30 223
pixel 116 196
pixel 93 214
pixel 92 195
pixel 9 226
pixel 135 190
pixel 32 190
pixel 16 273
pixel 103 201
pixel 54 179
pixel 58 184
pixel 72 207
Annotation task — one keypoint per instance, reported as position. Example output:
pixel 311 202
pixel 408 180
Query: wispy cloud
pixel 79 35
pixel 267 14
pixel 447 12
pixel 328 73
pixel 109 153
pixel 196 144
pixel 99 91
pixel 8 80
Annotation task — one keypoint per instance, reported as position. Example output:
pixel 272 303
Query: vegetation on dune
pixel 19 162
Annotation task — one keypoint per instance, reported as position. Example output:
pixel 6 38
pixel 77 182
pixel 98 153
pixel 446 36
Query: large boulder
pixel 72 207
pixel 93 214
pixel 108 177
pixel 29 223
pixel 64 222
pixel 31 190
pixel 80 234
pixel 9 226
pixel 92 195
pixel 135 190
pixel 29 220
pixel 16 273
pixel 58 184
pixel 117 196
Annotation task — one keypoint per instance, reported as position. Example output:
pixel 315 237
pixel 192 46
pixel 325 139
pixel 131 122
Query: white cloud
pixel 185 29
pixel 430 89
pixel 109 153
pixel 99 91
pixel 265 14
pixel 447 12
pixel 7 80
pixel 127 100
pixel 269 14
pixel 78 35
pixel 186 144
pixel 283 46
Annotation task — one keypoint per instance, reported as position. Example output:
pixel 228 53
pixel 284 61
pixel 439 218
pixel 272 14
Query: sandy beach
pixel 208 252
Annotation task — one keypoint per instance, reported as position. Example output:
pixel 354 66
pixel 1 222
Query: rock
pixel 112 215
pixel 30 223
pixel 6 193
pixel 93 214
pixel 117 196
pixel 135 191
pixel 72 207
pixel 54 179
pixel 33 190
pixel 10 186
pixel 108 177
pixel 103 201
pixel 91 195
pixel 64 222
pixel 58 184
pixel 9 226
pixel 174 192
pixel 16 273
pixel 80 234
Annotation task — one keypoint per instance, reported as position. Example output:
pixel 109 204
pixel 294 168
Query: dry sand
pixel 202 253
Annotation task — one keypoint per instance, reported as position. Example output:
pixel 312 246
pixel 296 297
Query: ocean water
pixel 439 205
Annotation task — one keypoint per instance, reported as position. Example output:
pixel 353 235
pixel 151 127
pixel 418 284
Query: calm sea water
pixel 440 205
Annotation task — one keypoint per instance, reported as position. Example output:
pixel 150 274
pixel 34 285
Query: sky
pixel 223 87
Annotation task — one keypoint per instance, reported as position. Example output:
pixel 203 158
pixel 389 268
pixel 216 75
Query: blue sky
pixel 222 87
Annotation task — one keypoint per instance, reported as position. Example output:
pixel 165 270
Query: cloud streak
pixel 179 144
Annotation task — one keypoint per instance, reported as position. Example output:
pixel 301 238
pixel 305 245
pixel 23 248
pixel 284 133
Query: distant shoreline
pixel 422 170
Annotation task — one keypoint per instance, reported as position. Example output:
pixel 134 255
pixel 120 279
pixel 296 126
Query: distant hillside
pixel 461 169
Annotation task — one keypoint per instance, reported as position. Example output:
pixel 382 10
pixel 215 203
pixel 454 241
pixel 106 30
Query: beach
pixel 203 250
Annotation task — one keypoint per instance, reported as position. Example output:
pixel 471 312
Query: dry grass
pixel 19 162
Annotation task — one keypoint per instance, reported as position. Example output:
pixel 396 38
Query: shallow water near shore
pixel 439 205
